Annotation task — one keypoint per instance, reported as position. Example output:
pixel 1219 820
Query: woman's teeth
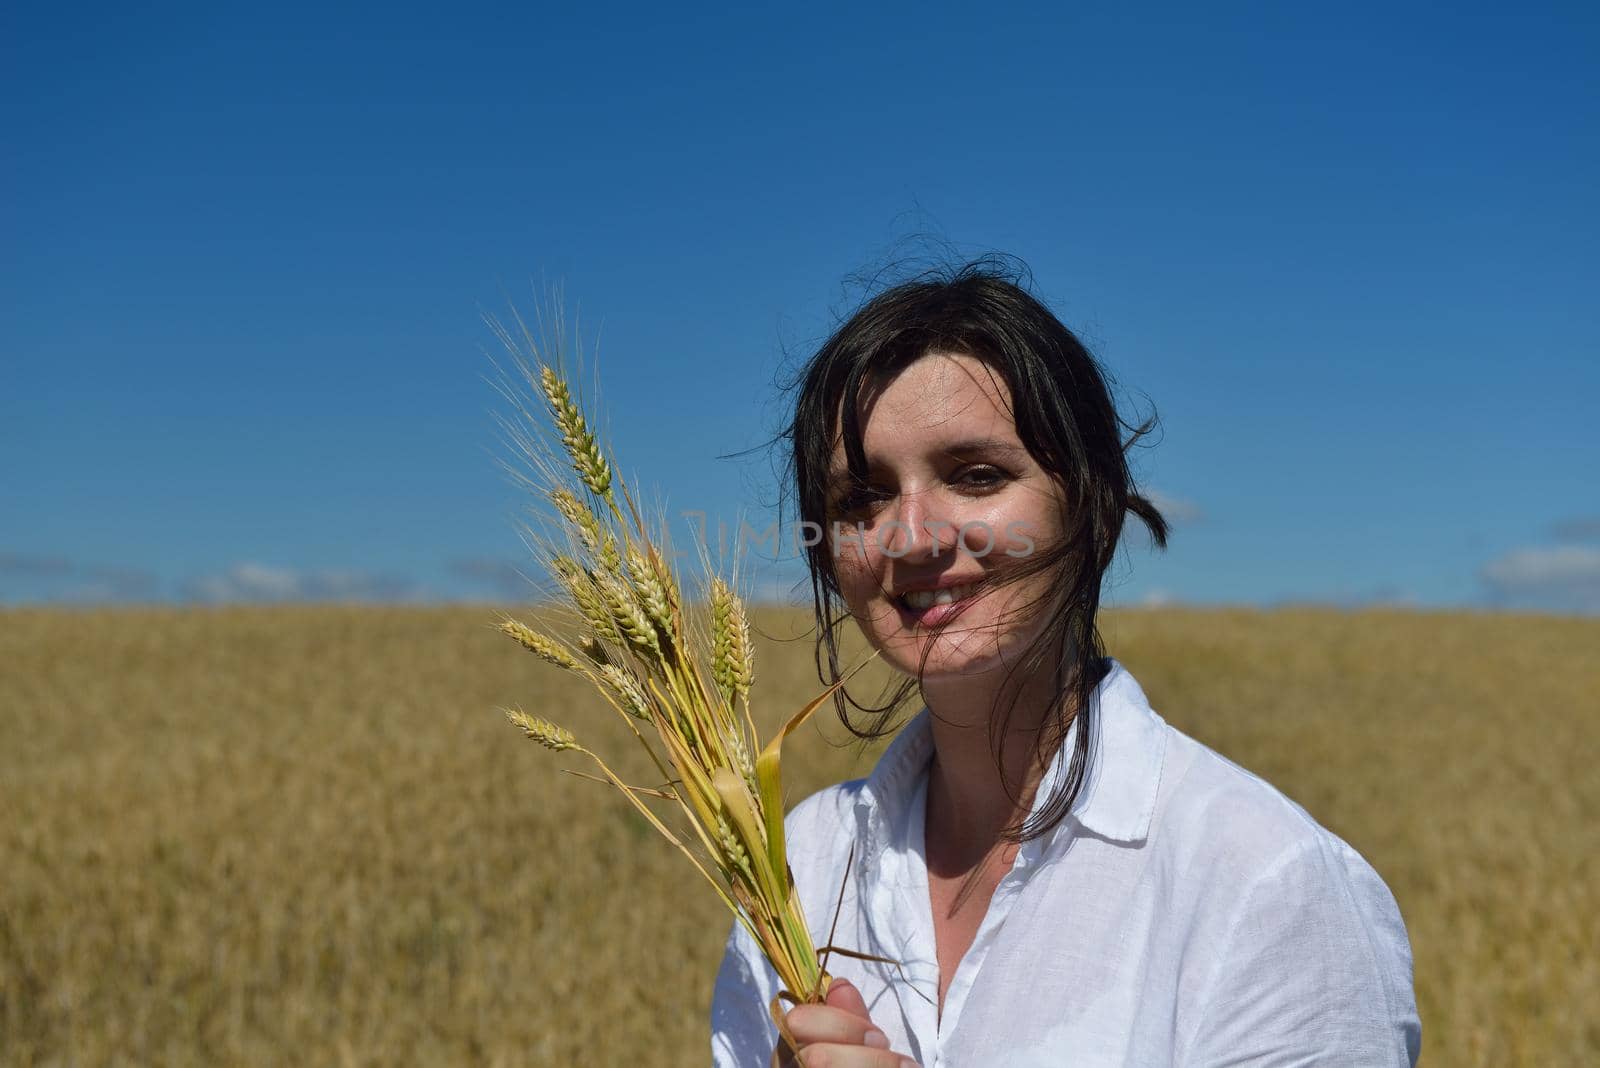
pixel 920 599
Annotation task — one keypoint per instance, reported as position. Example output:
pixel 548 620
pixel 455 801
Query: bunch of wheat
pixel 681 682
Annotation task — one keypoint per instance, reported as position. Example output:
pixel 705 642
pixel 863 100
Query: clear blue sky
pixel 1347 252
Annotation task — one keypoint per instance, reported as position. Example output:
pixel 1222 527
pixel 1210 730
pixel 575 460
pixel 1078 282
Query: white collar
pixel 1127 748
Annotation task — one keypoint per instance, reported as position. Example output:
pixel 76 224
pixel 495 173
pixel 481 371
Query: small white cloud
pixel 1176 509
pixel 1383 596
pixel 254 582
pixel 251 582
pixel 1563 577
pixel 35 565
pixel 1393 597
pixel 503 578
pixel 773 586
pixel 51 579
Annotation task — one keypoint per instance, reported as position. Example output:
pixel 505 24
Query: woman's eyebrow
pixel 975 445
pixel 969 447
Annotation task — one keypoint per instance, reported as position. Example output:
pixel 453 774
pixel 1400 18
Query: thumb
pixel 842 994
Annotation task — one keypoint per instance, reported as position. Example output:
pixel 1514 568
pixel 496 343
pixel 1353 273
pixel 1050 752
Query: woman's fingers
pixel 842 1018
pixel 841 1055
pixel 840 1033
pixel 842 994
pixel 831 1056
pixel 823 1023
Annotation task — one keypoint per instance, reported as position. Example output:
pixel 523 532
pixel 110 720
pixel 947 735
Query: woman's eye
pixel 982 477
pixel 857 500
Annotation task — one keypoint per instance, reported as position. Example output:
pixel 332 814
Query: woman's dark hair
pixel 1065 417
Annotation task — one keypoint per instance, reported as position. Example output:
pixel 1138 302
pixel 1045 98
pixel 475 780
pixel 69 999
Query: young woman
pixel 1059 877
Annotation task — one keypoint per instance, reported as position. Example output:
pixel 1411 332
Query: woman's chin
pixel 941 663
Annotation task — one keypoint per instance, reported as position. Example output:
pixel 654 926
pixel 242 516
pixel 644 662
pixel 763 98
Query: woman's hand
pixel 839 1034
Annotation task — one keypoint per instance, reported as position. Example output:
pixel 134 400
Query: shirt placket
pixel 1029 856
pixel 1005 896
pixel 904 896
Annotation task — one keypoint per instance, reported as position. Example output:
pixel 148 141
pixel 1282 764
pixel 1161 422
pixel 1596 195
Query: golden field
pixel 306 836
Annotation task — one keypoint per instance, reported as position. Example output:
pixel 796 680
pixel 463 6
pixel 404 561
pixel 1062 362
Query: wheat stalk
pixel 684 696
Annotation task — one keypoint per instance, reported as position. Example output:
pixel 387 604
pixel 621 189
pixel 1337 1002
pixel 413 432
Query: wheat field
pixel 305 835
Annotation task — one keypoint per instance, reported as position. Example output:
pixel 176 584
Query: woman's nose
pixel 917 531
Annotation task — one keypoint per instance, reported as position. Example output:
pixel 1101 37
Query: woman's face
pixel 951 495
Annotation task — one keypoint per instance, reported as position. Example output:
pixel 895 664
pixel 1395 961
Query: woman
pixel 1058 876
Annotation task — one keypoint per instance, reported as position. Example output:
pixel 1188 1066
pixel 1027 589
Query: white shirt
pixel 1185 913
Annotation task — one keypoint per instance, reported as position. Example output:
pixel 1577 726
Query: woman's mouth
pixel 929 607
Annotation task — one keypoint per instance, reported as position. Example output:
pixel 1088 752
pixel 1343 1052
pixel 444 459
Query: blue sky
pixel 1348 254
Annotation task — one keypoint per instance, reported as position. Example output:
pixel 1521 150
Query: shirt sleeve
pixel 1317 971
pixel 742 1031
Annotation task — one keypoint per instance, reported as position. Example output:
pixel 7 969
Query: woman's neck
pixel 969 802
